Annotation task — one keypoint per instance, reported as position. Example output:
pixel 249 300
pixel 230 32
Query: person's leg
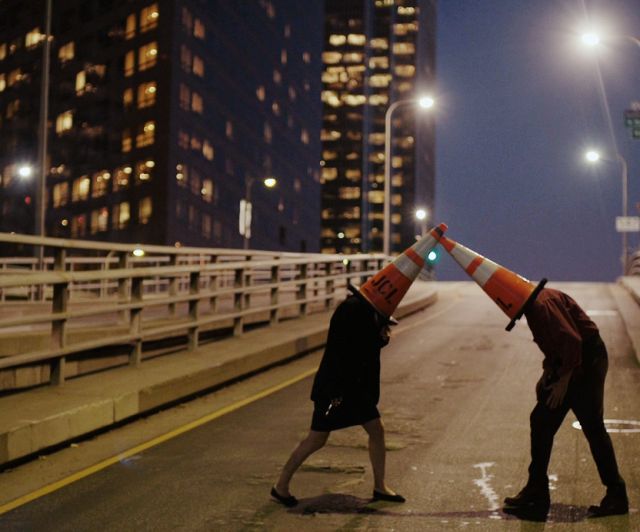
pixel 314 441
pixel 588 408
pixel 377 453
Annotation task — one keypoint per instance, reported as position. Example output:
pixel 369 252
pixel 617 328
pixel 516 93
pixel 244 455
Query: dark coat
pixel 350 366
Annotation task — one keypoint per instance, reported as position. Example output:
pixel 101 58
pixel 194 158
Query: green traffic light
pixel 433 256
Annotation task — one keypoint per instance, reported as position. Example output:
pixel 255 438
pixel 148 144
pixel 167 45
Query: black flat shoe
pixel 380 496
pixel 289 501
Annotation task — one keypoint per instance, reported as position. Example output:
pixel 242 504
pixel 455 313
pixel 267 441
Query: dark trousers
pixel 585 398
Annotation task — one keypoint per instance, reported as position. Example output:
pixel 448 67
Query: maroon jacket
pixel 559 327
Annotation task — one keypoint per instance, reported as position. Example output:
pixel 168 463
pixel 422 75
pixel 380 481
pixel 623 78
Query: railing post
pixel 59 325
pixel 238 321
pixel 328 286
pixel 248 277
pixel 213 287
pixel 173 285
pixel 123 285
pixel 194 289
pixel 301 294
pixel 135 326
pixel 274 314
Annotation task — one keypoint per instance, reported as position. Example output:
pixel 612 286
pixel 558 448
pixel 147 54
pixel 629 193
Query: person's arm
pixel 569 349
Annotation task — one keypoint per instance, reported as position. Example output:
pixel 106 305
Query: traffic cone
pixel 511 292
pixel 384 290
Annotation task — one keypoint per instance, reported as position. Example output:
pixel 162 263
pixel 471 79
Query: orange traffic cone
pixel 509 291
pixel 384 290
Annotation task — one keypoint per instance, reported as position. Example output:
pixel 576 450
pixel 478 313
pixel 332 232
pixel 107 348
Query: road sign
pixel 632 119
pixel 627 224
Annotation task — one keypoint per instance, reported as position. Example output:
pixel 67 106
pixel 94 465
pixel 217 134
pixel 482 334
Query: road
pixel 456 395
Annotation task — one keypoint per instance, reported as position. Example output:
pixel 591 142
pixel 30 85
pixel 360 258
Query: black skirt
pixel 348 414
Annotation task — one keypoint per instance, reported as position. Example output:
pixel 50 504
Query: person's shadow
pixel 339 503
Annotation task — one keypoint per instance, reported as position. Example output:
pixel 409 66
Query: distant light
pixel 64 223
pixel 592 156
pixel 591 39
pixel 138 252
pixel 150 163
pixel 340 234
pixel 270 182
pixel 432 256
pixel 426 102
pixel 421 214
pixel 25 171
pixel 345 262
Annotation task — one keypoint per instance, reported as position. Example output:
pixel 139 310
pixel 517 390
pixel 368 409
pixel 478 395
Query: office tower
pixel 376 52
pixel 165 117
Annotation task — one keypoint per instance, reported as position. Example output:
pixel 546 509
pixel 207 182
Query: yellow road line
pixel 151 443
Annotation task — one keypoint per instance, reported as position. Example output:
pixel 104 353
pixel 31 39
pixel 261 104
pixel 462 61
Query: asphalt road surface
pixel 456 395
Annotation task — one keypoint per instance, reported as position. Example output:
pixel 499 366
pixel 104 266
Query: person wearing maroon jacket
pixel 574 370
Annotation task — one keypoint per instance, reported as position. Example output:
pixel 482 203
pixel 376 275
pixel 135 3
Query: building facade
pixel 165 117
pixel 376 53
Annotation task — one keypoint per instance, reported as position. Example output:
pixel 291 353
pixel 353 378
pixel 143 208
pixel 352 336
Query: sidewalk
pixel 43 417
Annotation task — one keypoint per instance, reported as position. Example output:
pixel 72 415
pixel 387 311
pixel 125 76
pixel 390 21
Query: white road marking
pixel 484 483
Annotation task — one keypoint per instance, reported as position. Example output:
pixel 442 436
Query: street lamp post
pixel 425 103
pixel 246 207
pixel 593 157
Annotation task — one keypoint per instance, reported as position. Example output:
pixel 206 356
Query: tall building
pixel 165 117
pixel 376 52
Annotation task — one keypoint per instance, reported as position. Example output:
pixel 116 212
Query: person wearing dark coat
pixel 574 370
pixel 345 392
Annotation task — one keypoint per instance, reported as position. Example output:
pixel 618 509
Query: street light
pixel 245 206
pixel 593 157
pixel 593 38
pixel 425 102
pixel 25 171
pixel 421 216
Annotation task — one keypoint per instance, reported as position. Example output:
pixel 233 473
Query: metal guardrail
pixel 128 300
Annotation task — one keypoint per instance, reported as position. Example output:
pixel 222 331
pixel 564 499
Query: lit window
pixel 381 62
pixel 380 80
pixel 283 57
pixel 146 94
pixel 100 183
pixel 67 52
pixel 207 190
pixel 60 194
pixel 403 48
pixel 405 71
pixel 396 199
pixel 182 174
pixel 3 51
pixel 195 143
pixel 354 99
pixel 331 58
pixel 378 99
pixel 81 82
pixel 185 58
pixel 356 39
pixel 207 150
pixel 375 196
pixel 268 134
pixel 198 29
pixel 353 174
pixel 184 97
pixel 64 122
pixel 127 98
pixel 260 93
pixel 187 20
pixel 147 56
pixel 198 66
pixel 80 189
pixel 144 210
pixel 332 134
pixel 149 17
pixel 331 98
pixel 99 220
pixel 14 77
pixel 275 107
pixel 228 130
pixel 337 40
pixel 304 136
pixel 121 178
pixel 3 82
pixel 121 215
pixel 144 170
pixel 329 174
pixel 130 26
pixel 380 44
pixel 127 141
pixel 129 64
pixel 146 134
pixel 306 57
pixel 353 57
pixel 33 38
pixel 376 139
pixel 197 105
pixel 277 77
pixel 206 225
pixel 402 10
pixel 183 140
pixel 349 192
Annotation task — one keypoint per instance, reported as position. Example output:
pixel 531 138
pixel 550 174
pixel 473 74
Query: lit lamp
pixel 593 156
pixel 421 216
pixel 425 102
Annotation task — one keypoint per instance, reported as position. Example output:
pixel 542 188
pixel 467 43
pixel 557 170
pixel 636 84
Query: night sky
pixel 518 104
